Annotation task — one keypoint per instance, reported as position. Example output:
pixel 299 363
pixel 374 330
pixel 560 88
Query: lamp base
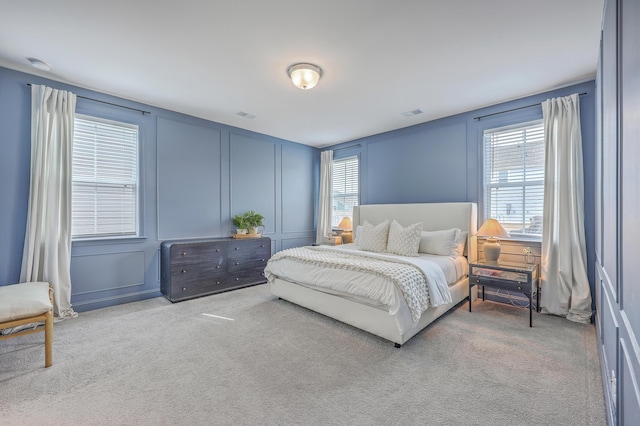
pixel 347 237
pixel 492 250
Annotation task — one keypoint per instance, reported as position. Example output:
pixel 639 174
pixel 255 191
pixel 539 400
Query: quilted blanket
pixel 420 281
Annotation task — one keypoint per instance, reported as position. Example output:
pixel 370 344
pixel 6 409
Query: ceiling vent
pixel 413 112
pixel 245 115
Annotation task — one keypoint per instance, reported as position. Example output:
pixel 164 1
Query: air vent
pixel 245 115
pixel 413 112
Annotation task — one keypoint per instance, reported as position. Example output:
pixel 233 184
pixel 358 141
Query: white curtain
pixel 47 244
pixel 324 204
pixel 565 286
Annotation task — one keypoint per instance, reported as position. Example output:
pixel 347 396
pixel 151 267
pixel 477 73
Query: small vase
pixel 241 231
pixel 530 259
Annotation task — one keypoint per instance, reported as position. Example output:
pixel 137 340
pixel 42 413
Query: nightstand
pixel 506 276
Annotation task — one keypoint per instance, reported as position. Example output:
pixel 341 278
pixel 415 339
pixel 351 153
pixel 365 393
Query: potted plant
pixel 253 220
pixel 240 223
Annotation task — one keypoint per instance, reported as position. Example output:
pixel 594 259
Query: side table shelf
pixel 507 276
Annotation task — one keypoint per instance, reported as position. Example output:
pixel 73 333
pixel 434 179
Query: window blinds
pixel 104 178
pixel 344 188
pixel 514 177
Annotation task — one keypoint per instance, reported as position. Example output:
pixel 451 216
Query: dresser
pixel 194 268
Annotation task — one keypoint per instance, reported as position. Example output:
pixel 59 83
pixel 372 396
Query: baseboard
pixel 115 300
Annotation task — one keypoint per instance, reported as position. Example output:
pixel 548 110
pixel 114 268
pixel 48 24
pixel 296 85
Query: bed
pixel 294 281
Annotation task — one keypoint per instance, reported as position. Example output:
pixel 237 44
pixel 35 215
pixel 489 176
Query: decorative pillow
pixel 461 242
pixel 374 238
pixel 404 241
pixel 442 243
pixel 357 234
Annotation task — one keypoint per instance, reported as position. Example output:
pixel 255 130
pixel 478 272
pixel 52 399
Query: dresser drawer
pixel 246 276
pixel 184 254
pixel 189 287
pixel 244 248
pixel 197 273
pixel 247 262
pixel 502 284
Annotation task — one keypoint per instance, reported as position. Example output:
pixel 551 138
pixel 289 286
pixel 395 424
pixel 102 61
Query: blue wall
pixel 440 161
pixel 195 175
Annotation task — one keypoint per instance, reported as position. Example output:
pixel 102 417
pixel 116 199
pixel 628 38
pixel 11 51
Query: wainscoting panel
pixel 253 178
pixel 297 201
pixel 618 184
pixel 610 337
pixel 414 167
pixel 629 386
pixel 188 166
pixel 296 242
pixel 93 273
pixel 609 146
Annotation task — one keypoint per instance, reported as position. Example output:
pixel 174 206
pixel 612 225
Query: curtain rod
pixel 109 103
pixel 514 109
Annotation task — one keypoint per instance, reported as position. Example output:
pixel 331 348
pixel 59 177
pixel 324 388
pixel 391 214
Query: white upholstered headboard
pixel 434 216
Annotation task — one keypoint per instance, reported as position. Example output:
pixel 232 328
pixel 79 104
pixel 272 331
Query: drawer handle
pixel 184 271
pixel 519 288
pixel 217 250
pixel 237 263
pixel 261 260
pixel 237 279
pixel 261 245
pixel 236 248
pixel 218 282
pixel 184 288
pixel 184 253
pixel 217 266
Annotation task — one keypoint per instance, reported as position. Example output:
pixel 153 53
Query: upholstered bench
pixel 28 303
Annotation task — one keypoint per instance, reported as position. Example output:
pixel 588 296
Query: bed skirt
pixel 373 320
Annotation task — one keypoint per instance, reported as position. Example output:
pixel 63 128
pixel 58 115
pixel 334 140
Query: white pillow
pixel 404 241
pixel 358 233
pixel 374 238
pixel 461 242
pixel 442 243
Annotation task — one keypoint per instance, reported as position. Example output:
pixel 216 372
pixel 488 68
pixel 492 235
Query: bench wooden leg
pixel 48 340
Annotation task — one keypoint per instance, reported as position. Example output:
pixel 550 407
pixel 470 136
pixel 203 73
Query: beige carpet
pixel 274 363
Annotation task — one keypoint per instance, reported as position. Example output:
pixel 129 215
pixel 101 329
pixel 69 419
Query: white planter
pixel 241 231
pixel 253 230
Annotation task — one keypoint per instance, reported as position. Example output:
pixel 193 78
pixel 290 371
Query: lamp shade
pixel 492 228
pixel 345 224
pixel 304 76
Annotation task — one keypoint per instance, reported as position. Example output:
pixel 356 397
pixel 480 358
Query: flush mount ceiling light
pixel 304 76
pixel 37 63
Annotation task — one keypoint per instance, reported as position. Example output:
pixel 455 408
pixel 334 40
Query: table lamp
pixel 492 229
pixel 346 226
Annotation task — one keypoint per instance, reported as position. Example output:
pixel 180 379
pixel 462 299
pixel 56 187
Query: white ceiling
pixel 215 58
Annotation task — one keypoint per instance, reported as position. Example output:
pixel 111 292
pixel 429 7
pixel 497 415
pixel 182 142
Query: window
pixel 104 178
pixel 344 191
pixel 514 177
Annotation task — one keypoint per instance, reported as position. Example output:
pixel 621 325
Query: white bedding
pixel 372 289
